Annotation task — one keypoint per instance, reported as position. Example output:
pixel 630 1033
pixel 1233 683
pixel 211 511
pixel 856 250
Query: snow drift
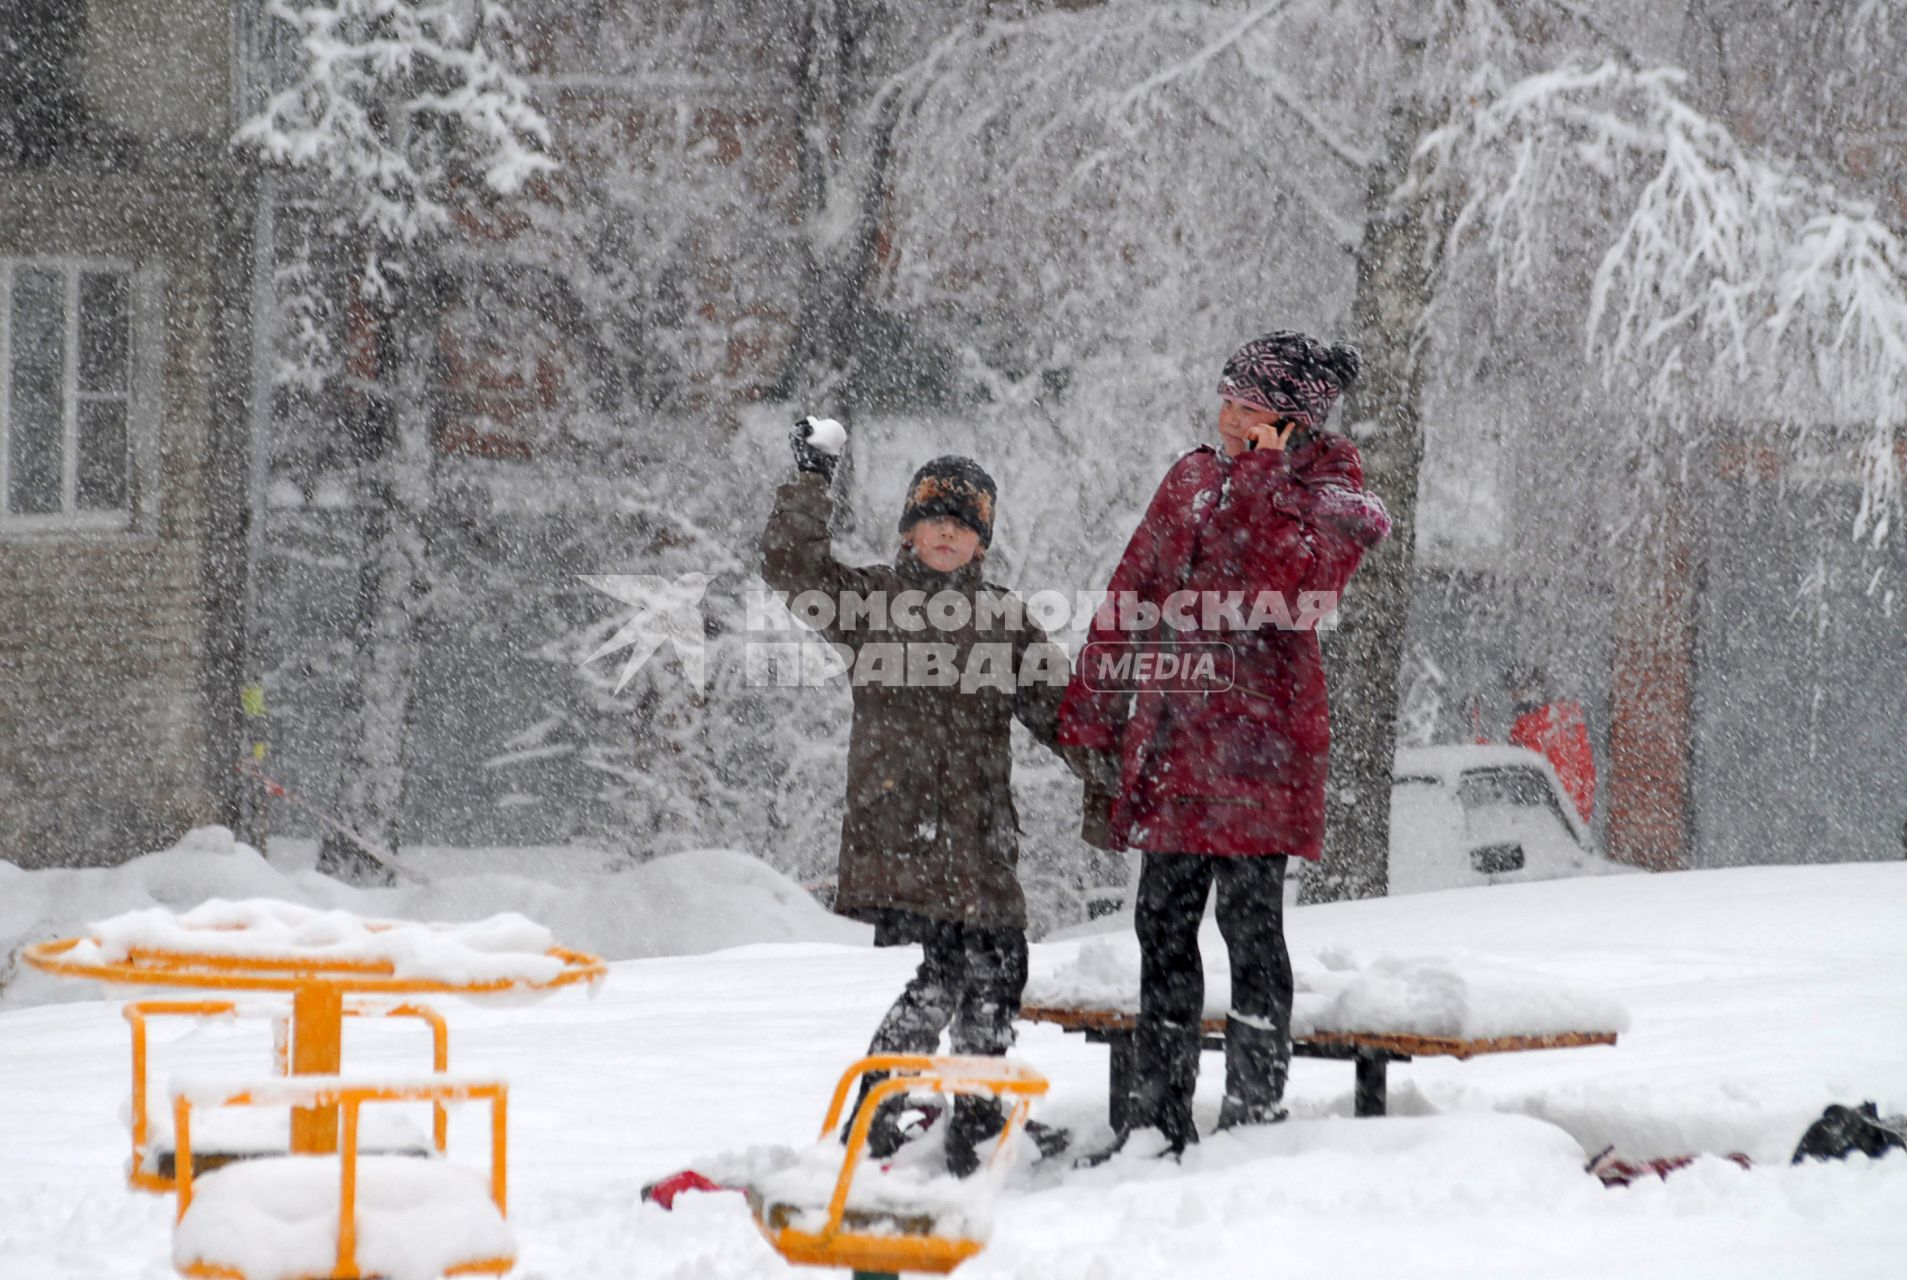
pixel 684 904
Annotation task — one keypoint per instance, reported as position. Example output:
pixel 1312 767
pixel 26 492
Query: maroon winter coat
pixel 1240 771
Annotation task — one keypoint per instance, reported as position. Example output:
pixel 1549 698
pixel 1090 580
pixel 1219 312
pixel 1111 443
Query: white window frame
pixel 141 470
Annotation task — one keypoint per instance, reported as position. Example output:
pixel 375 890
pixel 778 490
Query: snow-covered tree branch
pixel 396 103
pixel 1732 287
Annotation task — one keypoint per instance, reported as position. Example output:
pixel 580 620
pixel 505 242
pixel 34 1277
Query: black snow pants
pixel 969 981
pixel 1172 891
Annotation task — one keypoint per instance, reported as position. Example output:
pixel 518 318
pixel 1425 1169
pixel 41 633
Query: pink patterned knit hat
pixel 1287 372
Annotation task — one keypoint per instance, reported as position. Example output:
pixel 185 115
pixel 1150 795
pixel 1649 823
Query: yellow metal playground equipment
pixel 348 1098
pixel 151 1170
pixel 878 1245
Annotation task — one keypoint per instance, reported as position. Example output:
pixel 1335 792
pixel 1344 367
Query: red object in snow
pixel 1557 732
pixel 1240 771
pixel 1615 1172
pixel 664 1192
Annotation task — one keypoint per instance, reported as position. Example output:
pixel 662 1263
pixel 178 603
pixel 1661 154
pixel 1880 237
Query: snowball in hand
pixel 827 435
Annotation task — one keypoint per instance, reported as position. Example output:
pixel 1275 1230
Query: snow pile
pixel 1105 975
pixel 278 1219
pixel 500 948
pixel 1460 994
pixel 1465 996
pixel 684 904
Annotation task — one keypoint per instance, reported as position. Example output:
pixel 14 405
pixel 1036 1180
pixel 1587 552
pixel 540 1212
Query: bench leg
pixel 1372 1068
pixel 1121 1072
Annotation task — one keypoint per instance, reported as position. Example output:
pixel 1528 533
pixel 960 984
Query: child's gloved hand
pixel 817 444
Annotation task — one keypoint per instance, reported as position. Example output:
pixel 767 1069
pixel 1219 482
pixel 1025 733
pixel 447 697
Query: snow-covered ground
pixel 1755 997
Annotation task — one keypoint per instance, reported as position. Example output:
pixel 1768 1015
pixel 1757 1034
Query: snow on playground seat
pixel 153 1162
pixel 307 1217
pixel 905 1218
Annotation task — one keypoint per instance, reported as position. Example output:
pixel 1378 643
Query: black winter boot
pixel 1169 1149
pixel 884 1136
pixel 1233 1114
pixel 978 1119
pixel 1049 1140
pixel 897 1121
pixel 974 1121
pixel 1175 1107
pixel 1257 1060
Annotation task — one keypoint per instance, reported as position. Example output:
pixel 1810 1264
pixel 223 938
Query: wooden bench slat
pixel 1414 1045
pixel 1453 1047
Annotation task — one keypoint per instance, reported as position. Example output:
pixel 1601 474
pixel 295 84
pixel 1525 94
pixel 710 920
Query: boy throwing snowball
pixel 943 664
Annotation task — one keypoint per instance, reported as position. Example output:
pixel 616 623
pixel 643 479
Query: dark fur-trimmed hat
pixel 952 486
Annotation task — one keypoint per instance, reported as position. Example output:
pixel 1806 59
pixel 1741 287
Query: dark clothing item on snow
pixel 930 825
pixel 968 984
pixel 1239 771
pixel 1290 374
pixel 952 486
pixel 1841 1131
pixel 1172 891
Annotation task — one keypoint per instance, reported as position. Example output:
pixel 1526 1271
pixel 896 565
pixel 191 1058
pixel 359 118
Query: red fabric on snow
pixel 1239 771
pixel 1617 1172
pixel 664 1192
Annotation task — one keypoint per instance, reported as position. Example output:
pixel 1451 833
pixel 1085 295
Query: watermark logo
pixel 1183 613
pixel 665 611
pixel 1118 666
pixel 1189 642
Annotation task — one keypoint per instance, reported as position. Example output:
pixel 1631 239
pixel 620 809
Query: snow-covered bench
pixel 341 1216
pixel 1370 1013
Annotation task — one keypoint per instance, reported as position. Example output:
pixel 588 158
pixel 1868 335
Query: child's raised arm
pixel 796 552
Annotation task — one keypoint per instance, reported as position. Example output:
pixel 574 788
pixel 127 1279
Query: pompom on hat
pixel 1291 374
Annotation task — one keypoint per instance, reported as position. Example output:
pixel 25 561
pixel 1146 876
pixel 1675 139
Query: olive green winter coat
pixel 930 825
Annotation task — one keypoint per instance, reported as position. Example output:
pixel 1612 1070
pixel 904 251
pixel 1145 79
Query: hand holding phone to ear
pixel 1271 435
